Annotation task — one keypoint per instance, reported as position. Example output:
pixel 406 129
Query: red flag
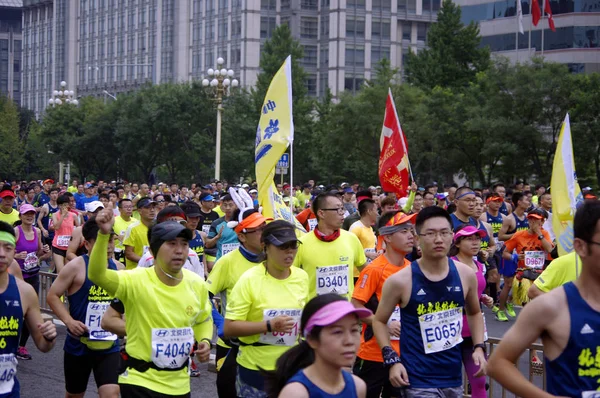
pixel 393 158
pixel 536 14
pixel 548 11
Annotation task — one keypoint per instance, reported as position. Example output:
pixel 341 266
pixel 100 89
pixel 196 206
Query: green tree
pixel 11 152
pixel 452 57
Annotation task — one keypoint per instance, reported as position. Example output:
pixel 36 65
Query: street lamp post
pixel 62 97
pixel 221 80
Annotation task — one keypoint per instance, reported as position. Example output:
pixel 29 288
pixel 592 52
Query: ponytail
pixel 288 364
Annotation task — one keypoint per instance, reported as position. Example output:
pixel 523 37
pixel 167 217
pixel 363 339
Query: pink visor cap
pixel 468 231
pixel 333 312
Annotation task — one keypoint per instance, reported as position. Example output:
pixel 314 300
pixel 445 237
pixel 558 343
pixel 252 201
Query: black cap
pixel 191 209
pixel 169 230
pixel 145 202
pixel 282 236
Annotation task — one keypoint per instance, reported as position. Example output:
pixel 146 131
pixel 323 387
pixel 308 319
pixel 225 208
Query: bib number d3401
pixel 441 330
pixel 171 347
pixel 8 370
pixel 332 279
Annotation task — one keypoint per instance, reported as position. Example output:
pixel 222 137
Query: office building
pixel 575 42
pixel 116 46
pixel 10 49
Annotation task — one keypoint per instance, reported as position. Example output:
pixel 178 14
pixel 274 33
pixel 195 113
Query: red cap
pixel 7 193
pixel 254 220
pixel 48 181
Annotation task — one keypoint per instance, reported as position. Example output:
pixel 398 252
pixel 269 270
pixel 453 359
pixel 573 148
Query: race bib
pixel 282 338
pixel 485 333
pixel 441 330
pixel 228 247
pixel 171 347
pixel 63 240
pixel 590 394
pixel 8 370
pixel 535 259
pixel 206 228
pixel 312 223
pixel 93 318
pixel 370 251
pixel 145 249
pixel 395 317
pixel 31 262
pixel 332 279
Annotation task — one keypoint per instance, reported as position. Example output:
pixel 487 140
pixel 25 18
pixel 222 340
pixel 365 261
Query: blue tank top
pixel 197 245
pixel 349 390
pixel 11 323
pixel 576 369
pixel 78 308
pixel 503 209
pixel 46 219
pixel 521 225
pixel 456 223
pixel 427 301
pixel 485 241
pixel 495 223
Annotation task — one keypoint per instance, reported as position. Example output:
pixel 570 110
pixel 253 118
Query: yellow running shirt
pixel 330 265
pixel 256 297
pixel 137 237
pixel 120 228
pixel 223 277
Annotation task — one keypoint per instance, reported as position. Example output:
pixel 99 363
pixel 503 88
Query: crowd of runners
pixel 381 296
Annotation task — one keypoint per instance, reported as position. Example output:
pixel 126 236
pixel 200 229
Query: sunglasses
pixel 289 245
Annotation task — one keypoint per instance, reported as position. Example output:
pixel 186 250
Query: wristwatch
pixel 482 346
pixel 541 237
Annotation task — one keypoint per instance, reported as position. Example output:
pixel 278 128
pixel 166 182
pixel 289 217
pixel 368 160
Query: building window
pixel 357 4
pixel 309 5
pixel 353 84
pixel 267 4
pixel 435 5
pixel 381 5
pixel 355 57
pixel 311 85
pixel 380 30
pixel 309 27
pixel 406 30
pixel 267 25
pixel 310 56
pixel 323 83
pixel 197 33
pixel 210 32
pixel 223 30
pixel 324 57
pixel 421 31
pixel 324 3
pixel 355 27
pixel 285 4
pixel 325 26
pixel 208 59
pixel 426 5
pixel 411 6
pixel 236 28
pixel 379 53
pixel 222 4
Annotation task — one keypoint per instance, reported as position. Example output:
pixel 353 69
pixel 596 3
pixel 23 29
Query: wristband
pixel 269 329
pixel 482 346
pixel 541 237
pixel 208 341
pixel 390 357
pixel 515 258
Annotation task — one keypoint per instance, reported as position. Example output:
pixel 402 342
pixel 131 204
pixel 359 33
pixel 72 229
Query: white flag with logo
pixel 520 17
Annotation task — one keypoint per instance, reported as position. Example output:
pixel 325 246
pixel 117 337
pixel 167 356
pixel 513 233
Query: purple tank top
pixel 30 266
pixel 481 283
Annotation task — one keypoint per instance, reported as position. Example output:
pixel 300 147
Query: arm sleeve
pixel 219 321
pixel 203 329
pixel 97 270
pixel 411 199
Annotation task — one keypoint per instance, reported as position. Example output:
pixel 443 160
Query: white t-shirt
pixel 192 263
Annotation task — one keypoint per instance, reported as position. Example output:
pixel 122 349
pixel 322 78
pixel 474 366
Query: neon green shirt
pixel 136 237
pixel 560 271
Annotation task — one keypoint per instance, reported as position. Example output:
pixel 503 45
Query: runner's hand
pixel 398 375
pixel 48 330
pixel 203 351
pixel 479 360
pixel 105 221
pixel 21 255
pixel 45 233
pixel 394 328
pixel 487 300
pixel 484 255
pixel 414 186
pixel 76 328
pixel 46 248
pixel 282 323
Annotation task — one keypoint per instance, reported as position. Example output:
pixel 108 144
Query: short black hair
pixel 90 229
pixel 496 185
pixel 542 195
pixel 123 200
pixel 386 217
pixel 54 189
pixel 428 193
pixel 538 186
pixel 516 197
pixel 319 201
pixel 6 227
pixel 364 193
pixel 431 212
pixel 459 191
pixel 104 195
pixel 62 199
pixel 365 205
pixel 586 219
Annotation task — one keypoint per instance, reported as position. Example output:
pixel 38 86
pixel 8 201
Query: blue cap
pixel 207 198
pixel 348 190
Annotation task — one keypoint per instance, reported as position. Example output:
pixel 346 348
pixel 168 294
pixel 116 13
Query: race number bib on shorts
pixel 171 347
pixel 93 318
pixel 332 279
pixel 31 261
pixel 395 317
pixel 63 240
pixel 282 338
pixel 312 223
pixel 228 247
pixel 535 259
pixel 441 330
pixel 8 370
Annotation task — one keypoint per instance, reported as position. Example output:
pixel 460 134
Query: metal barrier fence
pixel 46 279
pixel 496 390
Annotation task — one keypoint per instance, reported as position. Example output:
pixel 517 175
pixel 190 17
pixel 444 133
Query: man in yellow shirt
pixel 304 196
pixel 363 229
pixel 7 213
pixel 136 238
pixel 329 254
pixel 560 271
pixel 122 223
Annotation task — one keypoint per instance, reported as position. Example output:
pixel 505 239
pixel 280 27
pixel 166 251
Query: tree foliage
pixel 11 151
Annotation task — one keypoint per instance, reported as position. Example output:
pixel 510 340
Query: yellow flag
pixel 274 134
pixel 565 191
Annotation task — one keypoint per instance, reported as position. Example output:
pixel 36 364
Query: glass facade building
pixel 11 60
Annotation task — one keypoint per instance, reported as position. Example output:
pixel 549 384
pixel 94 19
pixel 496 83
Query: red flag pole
pixel 401 132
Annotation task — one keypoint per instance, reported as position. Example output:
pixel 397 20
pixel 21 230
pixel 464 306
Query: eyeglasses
pixel 289 245
pixel 340 210
pixel 593 243
pixel 160 201
pixel 433 234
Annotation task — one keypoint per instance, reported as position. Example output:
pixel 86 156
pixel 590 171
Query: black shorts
pixel 376 376
pixel 78 368
pixel 133 391
pixel 60 252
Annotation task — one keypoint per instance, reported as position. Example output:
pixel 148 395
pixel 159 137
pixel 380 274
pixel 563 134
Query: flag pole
pixel 530 25
pixel 292 192
pixel 517 35
pixel 543 13
pixel 403 137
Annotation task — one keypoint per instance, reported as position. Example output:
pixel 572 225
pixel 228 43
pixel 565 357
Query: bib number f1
pixel 441 330
pixel 535 259
pixel 93 318
pixel 171 347
pixel 332 279
pixel 282 338
pixel 8 370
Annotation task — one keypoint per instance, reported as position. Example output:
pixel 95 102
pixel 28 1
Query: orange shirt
pixel 523 241
pixel 308 219
pixel 368 291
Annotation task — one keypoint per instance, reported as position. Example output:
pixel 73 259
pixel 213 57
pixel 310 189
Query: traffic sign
pixel 281 170
pixel 284 162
